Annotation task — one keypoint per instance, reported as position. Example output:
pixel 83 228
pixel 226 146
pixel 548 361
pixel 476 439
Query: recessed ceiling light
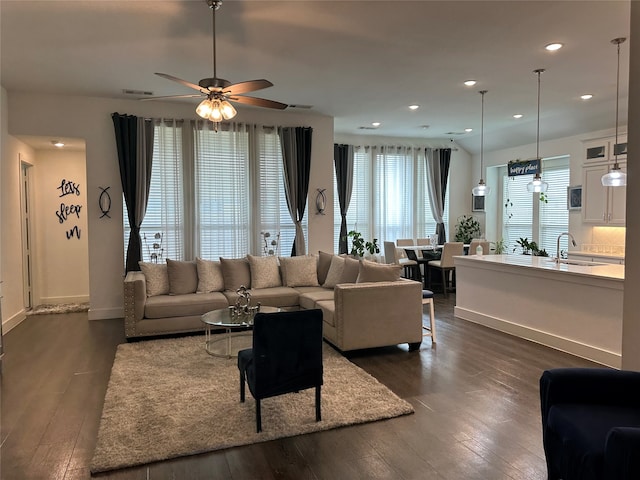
pixel 468 130
pixel 414 107
pixel 552 47
pixel 57 143
pixel 376 124
pixel 424 127
pixel 518 115
pixel 586 96
pixel 470 83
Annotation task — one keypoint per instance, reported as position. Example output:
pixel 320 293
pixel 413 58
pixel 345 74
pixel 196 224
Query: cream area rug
pixel 169 398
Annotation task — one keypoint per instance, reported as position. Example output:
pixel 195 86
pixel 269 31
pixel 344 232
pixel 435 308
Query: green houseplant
pixel 467 228
pixel 358 244
pixel 530 248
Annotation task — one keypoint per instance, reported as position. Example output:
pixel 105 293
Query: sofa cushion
pixel 265 272
pixel 376 272
pixel 156 278
pixel 183 277
pixel 300 271
pixel 271 297
pixel 334 275
pixel 162 306
pixel 236 272
pixel 324 262
pixel 210 277
pixel 308 300
pixel 328 311
pixel 350 271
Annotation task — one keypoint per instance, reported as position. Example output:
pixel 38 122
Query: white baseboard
pixel 61 300
pixel 582 350
pixel 105 313
pixel 13 321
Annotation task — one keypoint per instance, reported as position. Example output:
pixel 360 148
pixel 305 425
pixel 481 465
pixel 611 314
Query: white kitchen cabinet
pixel 602 205
pixel 604 149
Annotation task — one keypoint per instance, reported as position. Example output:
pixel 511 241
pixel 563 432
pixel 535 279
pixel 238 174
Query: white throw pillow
pixel 265 272
pixel 210 277
pixel 156 278
pixel 299 271
pixel 334 275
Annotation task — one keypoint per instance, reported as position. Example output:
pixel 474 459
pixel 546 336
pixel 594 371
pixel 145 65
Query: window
pixel 525 215
pixel 216 201
pixel 389 199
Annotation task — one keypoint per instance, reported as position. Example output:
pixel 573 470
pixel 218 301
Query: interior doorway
pixel 26 207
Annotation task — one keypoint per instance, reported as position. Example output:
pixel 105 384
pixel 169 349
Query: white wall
pixel 61 264
pixel 90 119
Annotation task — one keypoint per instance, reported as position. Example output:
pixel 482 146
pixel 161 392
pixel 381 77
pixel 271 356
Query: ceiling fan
pixel 220 92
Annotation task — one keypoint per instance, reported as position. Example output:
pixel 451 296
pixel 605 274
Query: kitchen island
pixel 575 307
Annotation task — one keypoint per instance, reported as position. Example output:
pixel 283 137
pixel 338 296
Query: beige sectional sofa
pixel 364 304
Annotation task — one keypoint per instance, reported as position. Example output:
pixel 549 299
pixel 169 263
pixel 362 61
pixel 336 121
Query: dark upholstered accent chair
pixel 286 357
pixel 591 423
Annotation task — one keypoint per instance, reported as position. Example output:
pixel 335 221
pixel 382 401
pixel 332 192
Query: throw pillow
pixel 335 272
pixel 324 263
pixel 377 272
pixel 299 271
pixel 156 278
pixel 183 277
pixel 210 277
pixel 265 272
pixel 351 270
pixel 236 272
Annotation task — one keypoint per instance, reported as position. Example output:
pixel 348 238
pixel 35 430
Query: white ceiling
pixel 357 61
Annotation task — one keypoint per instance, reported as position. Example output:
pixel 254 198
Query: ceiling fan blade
pixel 249 86
pixel 183 82
pixel 259 102
pixel 190 95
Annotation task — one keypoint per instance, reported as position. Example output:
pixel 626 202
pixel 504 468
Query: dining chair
pixel 419 260
pixel 424 241
pixel 391 256
pixel 486 247
pixel 405 242
pixel 430 331
pixel 286 357
pixel 446 264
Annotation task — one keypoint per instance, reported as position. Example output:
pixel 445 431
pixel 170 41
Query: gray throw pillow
pixel 210 277
pixel 156 278
pixel 236 272
pixel 334 275
pixel 299 271
pixel 265 272
pixel 376 272
pixel 183 277
pixel 351 270
pixel 324 263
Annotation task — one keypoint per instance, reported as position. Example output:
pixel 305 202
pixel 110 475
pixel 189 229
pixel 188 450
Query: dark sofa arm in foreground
pixel 591 423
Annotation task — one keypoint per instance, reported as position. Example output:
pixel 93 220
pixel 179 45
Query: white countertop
pixel 612 256
pixel 547 264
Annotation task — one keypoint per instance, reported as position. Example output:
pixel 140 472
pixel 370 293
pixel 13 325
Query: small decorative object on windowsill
pixel 321 201
pixel 270 244
pixel 155 251
pixel 243 306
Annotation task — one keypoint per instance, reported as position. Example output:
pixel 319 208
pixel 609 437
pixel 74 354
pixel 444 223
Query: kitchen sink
pixel 583 263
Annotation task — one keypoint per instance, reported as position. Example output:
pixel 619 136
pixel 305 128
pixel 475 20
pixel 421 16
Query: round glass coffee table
pixel 236 327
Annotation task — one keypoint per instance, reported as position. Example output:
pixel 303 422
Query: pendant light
pixel 616 177
pixel 537 185
pixel 481 189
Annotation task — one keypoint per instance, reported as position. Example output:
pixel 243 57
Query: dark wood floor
pixel 475 395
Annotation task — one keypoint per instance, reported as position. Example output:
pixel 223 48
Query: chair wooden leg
pixel 432 322
pixel 318 405
pixel 258 417
pixel 242 380
pixel 445 282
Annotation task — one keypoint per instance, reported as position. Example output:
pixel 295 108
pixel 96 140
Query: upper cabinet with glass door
pixel 604 149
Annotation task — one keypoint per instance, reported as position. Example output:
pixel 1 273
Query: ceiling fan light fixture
pixel 205 108
pixel 228 112
pixel 216 111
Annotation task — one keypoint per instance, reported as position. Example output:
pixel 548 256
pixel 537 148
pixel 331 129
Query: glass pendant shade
pixel 537 185
pixel 481 190
pixel 228 112
pixel 216 111
pixel 615 178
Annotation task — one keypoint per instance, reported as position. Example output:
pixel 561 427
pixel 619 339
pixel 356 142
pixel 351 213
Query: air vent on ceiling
pixel 138 93
pixel 367 128
pixel 455 133
pixel 301 107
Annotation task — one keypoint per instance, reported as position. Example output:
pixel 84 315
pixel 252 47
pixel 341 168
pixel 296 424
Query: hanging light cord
pixel 539 71
pixel 482 92
pixel 214 7
pixel 615 151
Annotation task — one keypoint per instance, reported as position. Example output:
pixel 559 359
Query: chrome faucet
pixel 573 242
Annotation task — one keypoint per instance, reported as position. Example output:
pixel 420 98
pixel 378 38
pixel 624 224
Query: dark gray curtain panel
pixel 343 163
pixel 296 155
pixel 437 162
pixel 134 141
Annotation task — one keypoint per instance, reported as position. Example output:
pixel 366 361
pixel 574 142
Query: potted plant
pixel 467 228
pixel 530 248
pixel 358 244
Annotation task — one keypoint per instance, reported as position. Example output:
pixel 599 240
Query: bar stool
pixel 427 298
